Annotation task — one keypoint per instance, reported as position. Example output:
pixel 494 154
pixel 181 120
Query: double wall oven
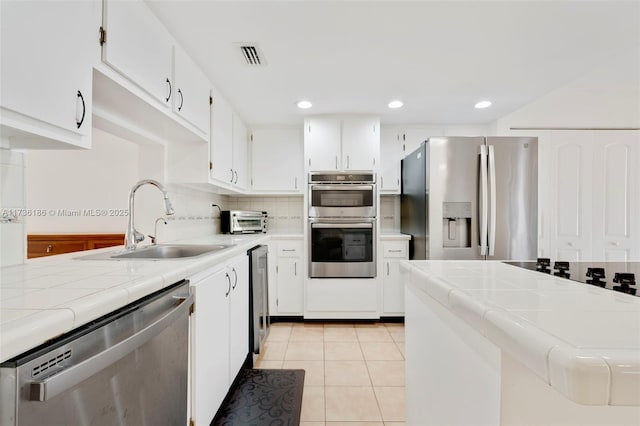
pixel 342 225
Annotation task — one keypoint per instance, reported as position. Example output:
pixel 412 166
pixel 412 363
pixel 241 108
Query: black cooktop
pixel 616 276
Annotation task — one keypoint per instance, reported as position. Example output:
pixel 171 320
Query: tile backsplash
pixel 285 214
pixel 390 213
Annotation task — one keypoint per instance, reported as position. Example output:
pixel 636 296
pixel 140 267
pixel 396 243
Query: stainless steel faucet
pixel 133 237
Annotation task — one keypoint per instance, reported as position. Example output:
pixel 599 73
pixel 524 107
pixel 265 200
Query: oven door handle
pixel 341 187
pixel 46 389
pixel 342 225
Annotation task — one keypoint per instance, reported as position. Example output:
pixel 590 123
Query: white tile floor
pixel 354 373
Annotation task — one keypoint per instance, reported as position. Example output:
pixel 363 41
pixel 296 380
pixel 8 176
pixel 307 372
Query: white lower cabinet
pixel 289 280
pixel 392 287
pixel 219 334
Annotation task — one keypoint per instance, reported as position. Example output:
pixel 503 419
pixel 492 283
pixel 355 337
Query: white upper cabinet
pixel 282 147
pixel 391 155
pixel 139 47
pixel 240 143
pixel 192 91
pixel 221 139
pixel 47 50
pixel 360 143
pixel 349 143
pixel 322 143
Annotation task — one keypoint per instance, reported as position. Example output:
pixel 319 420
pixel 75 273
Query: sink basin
pixel 161 251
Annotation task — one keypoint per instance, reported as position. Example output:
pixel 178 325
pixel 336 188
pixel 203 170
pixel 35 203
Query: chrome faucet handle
pixel 138 236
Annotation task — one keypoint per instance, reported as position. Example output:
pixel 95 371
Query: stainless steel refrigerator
pixel 471 198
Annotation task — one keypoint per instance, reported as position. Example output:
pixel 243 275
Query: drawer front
pixel 395 249
pixel 290 249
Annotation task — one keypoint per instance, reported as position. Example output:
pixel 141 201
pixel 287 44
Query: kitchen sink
pixel 160 251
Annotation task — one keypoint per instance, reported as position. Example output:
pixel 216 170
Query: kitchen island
pixel 490 343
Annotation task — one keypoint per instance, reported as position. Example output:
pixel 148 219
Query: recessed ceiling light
pixel 483 104
pixel 304 104
pixel 395 104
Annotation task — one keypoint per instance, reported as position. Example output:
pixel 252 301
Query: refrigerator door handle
pixel 484 200
pixel 492 189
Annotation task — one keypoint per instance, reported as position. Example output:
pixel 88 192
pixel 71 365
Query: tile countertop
pixel 49 296
pixel 582 340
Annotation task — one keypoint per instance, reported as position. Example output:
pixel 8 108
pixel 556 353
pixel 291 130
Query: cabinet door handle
pixel 395 251
pixel 347 161
pixel 288 249
pixel 84 110
pixel 181 99
pixel 235 280
pixel 295 269
pixel 235 173
pixel 295 183
pixel 381 182
pixel 231 181
pixel 169 96
pixel 228 285
pixel 336 162
pixel 49 248
pixel 387 268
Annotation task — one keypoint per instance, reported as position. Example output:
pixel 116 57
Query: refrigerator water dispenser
pixel 456 224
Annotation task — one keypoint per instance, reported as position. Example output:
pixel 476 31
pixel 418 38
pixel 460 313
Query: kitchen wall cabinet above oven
pixel 342 143
pixel 47 53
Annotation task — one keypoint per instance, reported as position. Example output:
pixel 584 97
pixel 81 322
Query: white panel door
pixel 277 160
pixel 238 314
pixel 616 189
pixel 392 288
pixel 221 142
pixel 191 100
pixel 139 47
pixel 572 156
pixel 322 144
pixel 47 51
pixel 360 143
pixel 391 155
pixel 210 346
pixel 240 144
pixel 290 286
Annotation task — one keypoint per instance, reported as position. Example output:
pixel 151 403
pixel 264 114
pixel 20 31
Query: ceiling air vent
pixel 251 54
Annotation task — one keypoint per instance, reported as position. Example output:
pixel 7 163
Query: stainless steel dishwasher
pixel 127 368
pixel 259 321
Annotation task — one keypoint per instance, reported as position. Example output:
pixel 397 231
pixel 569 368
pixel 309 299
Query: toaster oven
pixel 243 222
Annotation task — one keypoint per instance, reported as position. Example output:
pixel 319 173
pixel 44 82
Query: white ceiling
pixel 439 57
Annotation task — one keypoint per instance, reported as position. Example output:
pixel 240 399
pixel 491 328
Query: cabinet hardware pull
pixel 395 251
pixel 235 281
pixel 236 173
pixel 168 97
pixel 295 184
pixel 336 162
pixel 231 181
pixel 387 268
pixel 49 248
pixel 228 285
pixel 181 99
pixel 347 161
pixel 288 249
pixel 84 110
pixel 295 268
pixel 381 182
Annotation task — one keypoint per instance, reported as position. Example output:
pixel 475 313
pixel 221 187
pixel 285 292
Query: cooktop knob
pixel 562 268
pixel 625 279
pixel 543 264
pixel 596 275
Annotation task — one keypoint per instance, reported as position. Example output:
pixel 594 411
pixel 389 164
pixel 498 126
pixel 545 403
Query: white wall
pixel 101 178
pixel 12 201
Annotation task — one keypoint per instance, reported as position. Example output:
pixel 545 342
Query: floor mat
pixel 263 397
